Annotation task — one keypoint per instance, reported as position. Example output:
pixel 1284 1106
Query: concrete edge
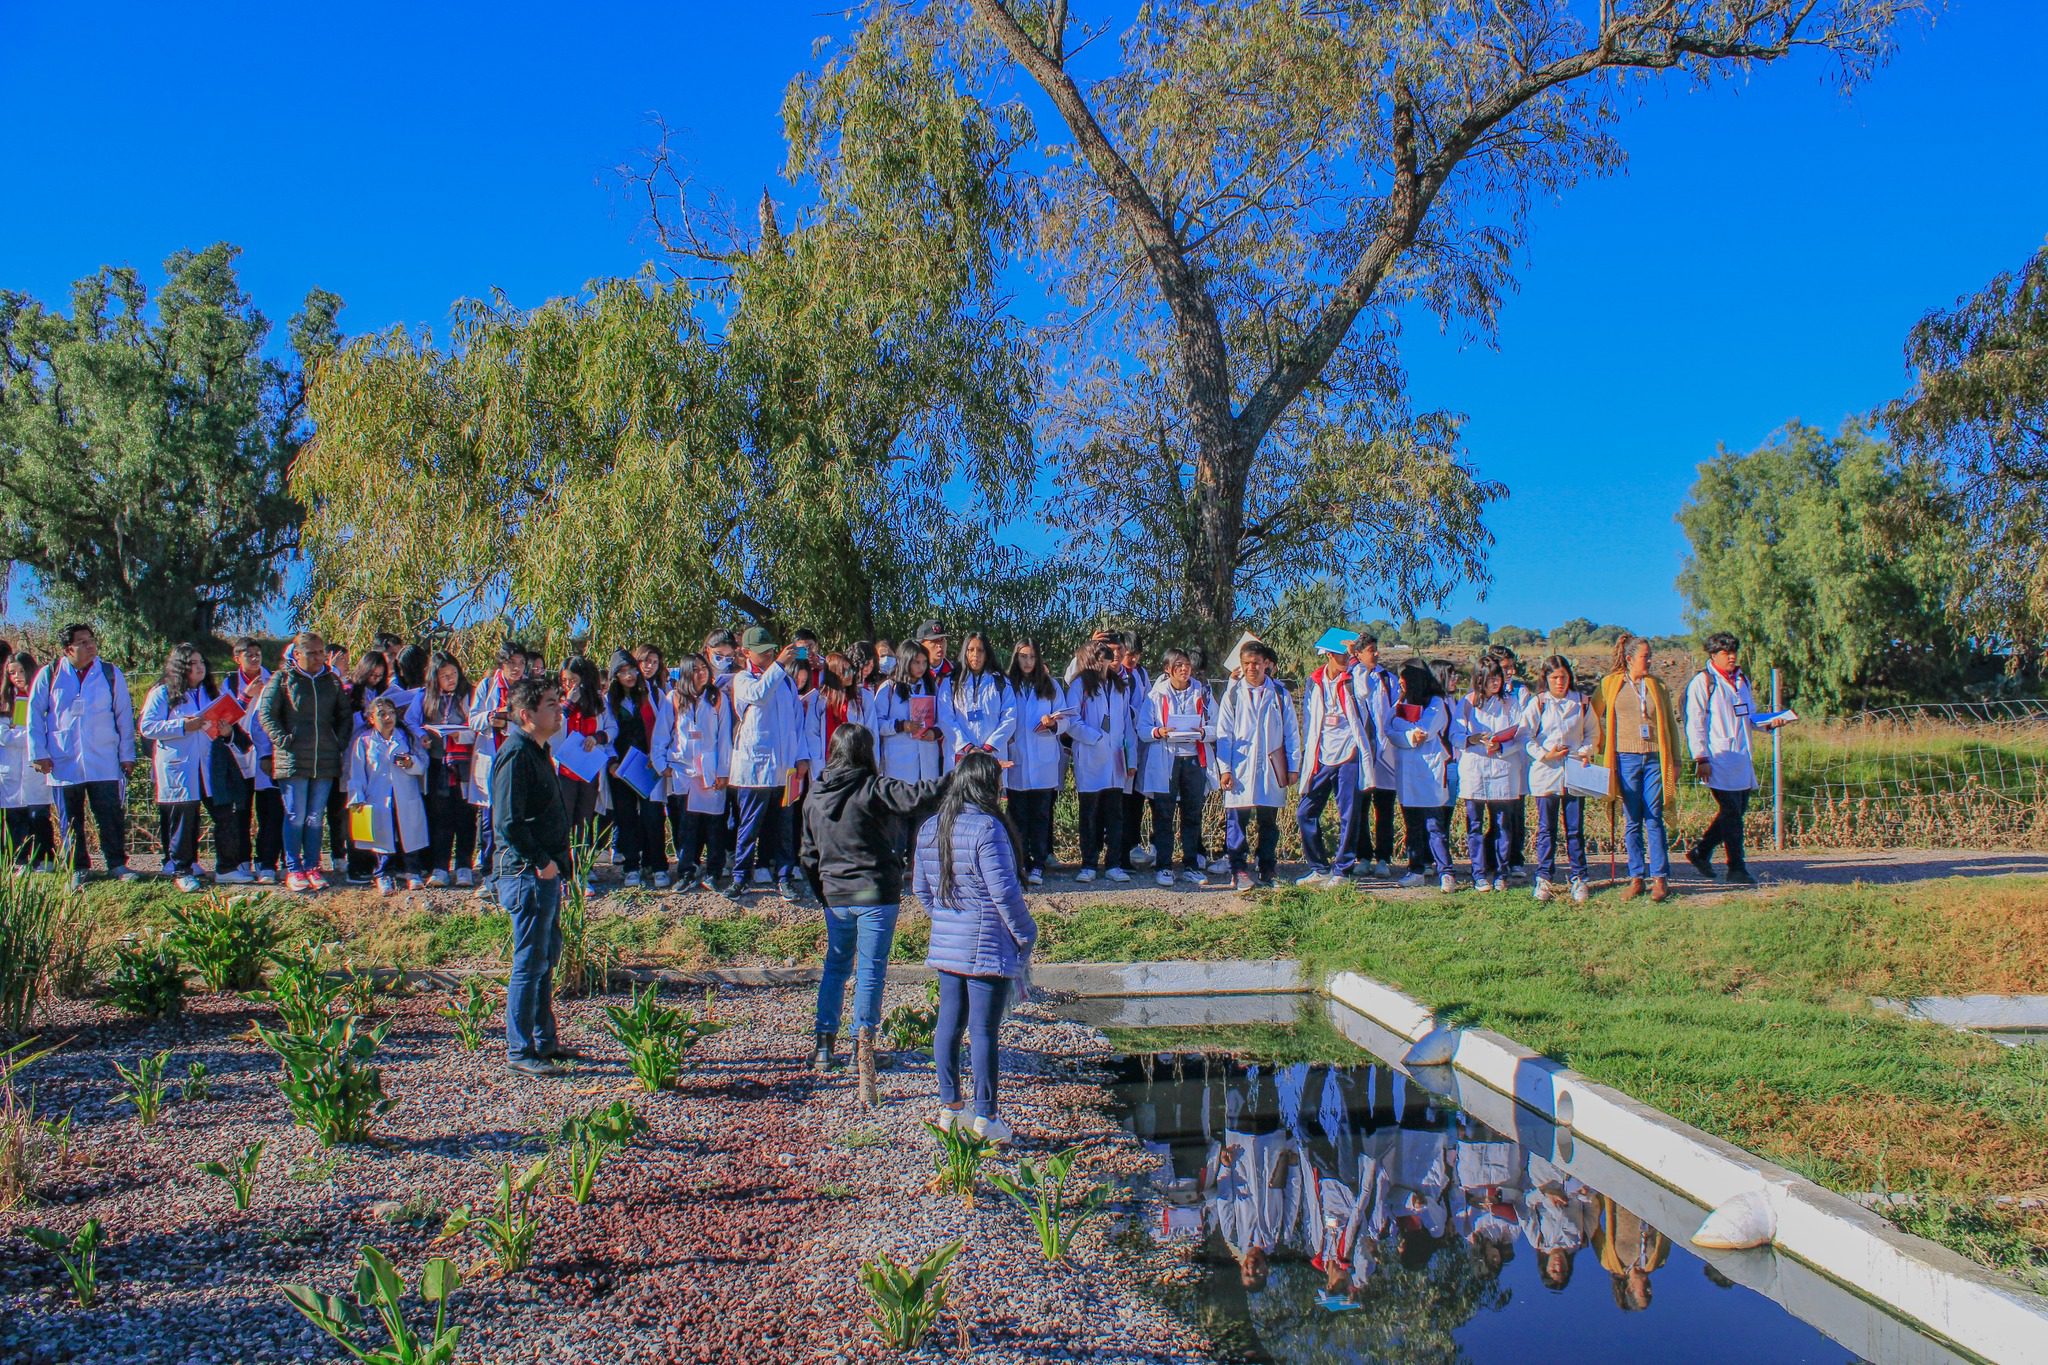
pixel 1935 1288
pixel 1986 1013
pixel 1087 980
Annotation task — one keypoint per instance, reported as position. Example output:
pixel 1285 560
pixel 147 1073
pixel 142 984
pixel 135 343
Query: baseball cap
pixel 758 637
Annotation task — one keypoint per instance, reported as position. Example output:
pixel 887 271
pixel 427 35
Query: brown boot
pixel 1633 889
pixel 1660 890
pixel 864 1067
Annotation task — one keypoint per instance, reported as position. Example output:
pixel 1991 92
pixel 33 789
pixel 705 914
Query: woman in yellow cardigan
pixel 1639 743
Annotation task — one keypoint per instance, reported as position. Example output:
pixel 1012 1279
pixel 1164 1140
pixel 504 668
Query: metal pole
pixel 1777 775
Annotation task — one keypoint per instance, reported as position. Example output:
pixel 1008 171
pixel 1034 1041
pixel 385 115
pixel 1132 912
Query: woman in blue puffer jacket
pixel 982 933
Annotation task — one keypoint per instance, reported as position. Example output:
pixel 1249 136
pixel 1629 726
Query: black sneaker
pixel 532 1066
pixel 733 889
pixel 558 1053
pixel 1702 865
pixel 786 889
pixel 1739 876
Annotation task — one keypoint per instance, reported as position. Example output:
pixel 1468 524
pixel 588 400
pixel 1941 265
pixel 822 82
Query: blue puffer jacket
pixel 983 928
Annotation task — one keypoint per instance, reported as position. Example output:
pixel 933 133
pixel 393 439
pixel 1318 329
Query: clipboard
pixel 581 764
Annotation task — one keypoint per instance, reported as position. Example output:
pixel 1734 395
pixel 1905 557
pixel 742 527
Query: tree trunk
pixel 1208 605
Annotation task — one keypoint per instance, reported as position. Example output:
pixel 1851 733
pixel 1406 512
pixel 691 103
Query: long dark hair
pixel 852 746
pixel 901 677
pixel 443 659
pixel 989 667
pixel 1099 671
pixel 977 784
pixel 616 694
pixel 178 672
pixel 841 687
pixel 8 696
pixel 359 681
pixel 1419 683
pixel 410 667
pixel 1038 678
pixel 687 693
pixel 588 696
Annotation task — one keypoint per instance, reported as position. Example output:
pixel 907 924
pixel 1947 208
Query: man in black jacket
pixel 531 828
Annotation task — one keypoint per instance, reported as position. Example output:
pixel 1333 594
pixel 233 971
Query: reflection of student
pixel 1419 1177
pixel 1255 1184
pixel 1629 1250
pixel 1483 1209
pixel 1560 1220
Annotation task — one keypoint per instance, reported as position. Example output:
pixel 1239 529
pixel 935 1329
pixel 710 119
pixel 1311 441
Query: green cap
pixel 758 637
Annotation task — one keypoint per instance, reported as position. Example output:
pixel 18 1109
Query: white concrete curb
pixel 1933 1287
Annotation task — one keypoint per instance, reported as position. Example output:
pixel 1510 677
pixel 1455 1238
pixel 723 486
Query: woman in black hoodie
pixel 851 832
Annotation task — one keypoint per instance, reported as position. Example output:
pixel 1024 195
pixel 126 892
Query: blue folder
pixel 636 772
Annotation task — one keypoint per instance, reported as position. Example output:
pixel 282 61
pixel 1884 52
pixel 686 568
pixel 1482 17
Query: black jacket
pixel 306 717
pixel 850 834
pixel 528 819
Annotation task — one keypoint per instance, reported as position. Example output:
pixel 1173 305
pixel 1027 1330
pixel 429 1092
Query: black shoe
pixel 685 883
pixel 532 1066
pixel 1702 864
pixel 821 1052
pixel 1739 876
pixel 734 889
pixel 786 889
pixel 558 1053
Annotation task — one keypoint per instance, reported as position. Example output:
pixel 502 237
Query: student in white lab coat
pixel 487 720
pixel 387 774
pixel 1178 719
pixel 1137 679
pixel 974 704
pixel 1517 692
pixel 1558 728
pixel 1720 712
pixel 81 736
pixel 1258 753
pixel 910 728
pixel 636 713
pixel 1486 731
pixel 1377 688
pixel 1099 724
pixel 193 768
pixel 698 763
pixel 262 828
pixel 1337 743
pixel 24 792
pixel 768 751
pixel 1422 723
pixel 443 702
pixel 1037 720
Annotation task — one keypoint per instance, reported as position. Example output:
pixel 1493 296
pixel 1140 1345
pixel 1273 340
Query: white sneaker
pixel 1448 882
pixel 1117 874
pixel 1035 877
pixel 661 881
pixel 1500 884
pixel 1579 891
pixel 1481 884
pixel 386 886
pixel 1413 879
pixel 1164 879
pixel 439 876
pixel 1219 866
pixel 948 1119
pixel 267 876
pixel 1194 878
pixel 1142 856
pixel 125 873
pixel 617 858
pixel 633 879
pixel 992 1130
pixel 185 881
pixel 1086 874
pixel 464 877
pixel 235 876
pixel 1313 877
pixel 1542 889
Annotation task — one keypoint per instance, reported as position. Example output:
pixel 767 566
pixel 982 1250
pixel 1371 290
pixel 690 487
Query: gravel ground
pixel 732 1234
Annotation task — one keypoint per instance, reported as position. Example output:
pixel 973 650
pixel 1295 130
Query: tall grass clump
pixel 34 914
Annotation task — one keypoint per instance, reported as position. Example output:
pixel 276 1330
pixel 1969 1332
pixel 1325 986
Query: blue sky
pixel 1761 258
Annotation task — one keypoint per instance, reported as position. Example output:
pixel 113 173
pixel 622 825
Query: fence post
pixel 1777 775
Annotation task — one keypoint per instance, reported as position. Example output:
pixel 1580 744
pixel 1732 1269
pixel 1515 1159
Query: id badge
pixel 1645 731
pixel 1742 708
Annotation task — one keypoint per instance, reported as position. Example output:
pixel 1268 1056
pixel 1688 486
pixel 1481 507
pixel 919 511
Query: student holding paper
pixel 1558 730
pixel 907 719
pixel 581 748
pixel 183 716
pixel 1174 769
pixel 1486 731
pixel 1518 693
pixel 699 763
pixel 24 792
pixel 1038 718
pixel 487 721
pixel 1639 739
pixel 635 714
pixel 451 821
pixel 767 751
pixel 387 776
pixel 1137 681
pixel 265 809
pixel 1422 726
pixel 1099 723
pixel 1377 688
pixel 1720 712
pixel 1337 745
pixel 1258 752
pixel 974 704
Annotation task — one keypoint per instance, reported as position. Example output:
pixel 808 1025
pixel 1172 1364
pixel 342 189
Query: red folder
pixel 224 712
pixel 1408 712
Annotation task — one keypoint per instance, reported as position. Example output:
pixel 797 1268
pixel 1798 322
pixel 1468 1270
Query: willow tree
pixel 1251 195
pixel 779 432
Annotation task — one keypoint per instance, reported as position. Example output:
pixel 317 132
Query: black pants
pixel 1383 814
pixel 1102 825
pixel 357 862
pixel 179 821
pixel 1187 788
pixel 264 813
pixel 1130 831
pixel 451 830
pixel 640 829
pixel 579 800
pixel 30 834
pixel 700 839
pixel 1031 812
pixel 104 800
pixel 230 836
pixel 1518 833
pixel 1726 829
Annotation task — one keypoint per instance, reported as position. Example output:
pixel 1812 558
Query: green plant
pixel 586 962
pixel 32 911
pixel 1039 1188
pixel 835 1189
pixel 225 938
pixel 301 990
pixel 57 1132
pixel 22 1135
pixel 197 1085
pixel 961 1151
pixel 859 1139
pixel 145 1086
pixel 326 1082
pixel 379 1288
pixel 358 989
pixel 587 1140
pixel 471 1007
pixel 147 980
pixel 312 1169
pixel 241 1176
pixel 909 1027
pixel 510 1234
pixel 417 1209
pixel 79 1255
pixel 657 1037
pixel 908 1299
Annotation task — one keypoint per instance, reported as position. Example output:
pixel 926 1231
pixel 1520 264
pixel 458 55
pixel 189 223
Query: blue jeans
pixel 974 1005
pixel 305 816
pixel 1573 809
pixel 1642 805
pixel 760 818
pixel 1308 816
pixel 1489 849
pixel 1237 839
pixel 536 910
pixel 865 932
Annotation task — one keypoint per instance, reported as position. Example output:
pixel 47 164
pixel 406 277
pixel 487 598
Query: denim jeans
pixel 760 815
pixel 973 1005
pixel 1489 848
pixel 305 815
pixel 1573 810
pixel 1342 780
pixel 863 932
pixel 1641 779
pixel 1187 787
pixel 536 910
pixel 1237 840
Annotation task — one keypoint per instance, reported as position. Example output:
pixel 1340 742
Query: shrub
pixel 907 1299
pixel 147 980
pixel 241 1176
pixel 379 1288
pixel 198 1085
pixel 471 1007
pixel 225 938
pixel 358 989
pixel 587 1140
pixel 75 954
pixel 909 1027
pixel 145 1086
pixel 325 1081
pixel 657 1037
pixel 1039 1188
pixel 586 964
pixel 79 1255
pixel 961 1150
pixel 301 990
pixel 32 909
pixel 23 1137
pixel 510 1234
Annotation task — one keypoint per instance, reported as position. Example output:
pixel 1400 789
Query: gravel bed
pixel 716 1240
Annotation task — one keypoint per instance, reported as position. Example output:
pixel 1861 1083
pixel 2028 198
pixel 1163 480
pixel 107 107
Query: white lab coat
pixel 1101 730
pixel 1377 689
pixel 767 733
pixel 1155 759
pixel 488 697
pixel 1718 718
pixel 376 780
pixel 1256 726
pixel 901 754
pixel 975 711
pixel 1331 702
pixel 180 762
pixel 1035 754
pixel 1422 763
pixel 1556 722
pixel 1484 777
pixel 21 786
pixel 699 751
pixel 85 726
pixel 248 691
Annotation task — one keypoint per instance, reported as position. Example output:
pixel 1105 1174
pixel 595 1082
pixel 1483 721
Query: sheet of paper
pixel 1766 717
pixel 1588 779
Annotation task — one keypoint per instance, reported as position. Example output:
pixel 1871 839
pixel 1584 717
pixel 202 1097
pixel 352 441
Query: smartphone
pixel 803 652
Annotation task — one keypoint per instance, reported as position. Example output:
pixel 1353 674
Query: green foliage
pixel 585 964
pixel 907 1298
pixel 326 1081
pixel 78 1254
pixel 471 1008
pixel 586 1141
pixel 378 1287
pixel 910 1026
pixel 358 989
pixel 315 1170
pixel 302 990
pixel 143 458
pixel 418 1210
pixel 147 980
pixel 1039 1188
pixel 197 1086
pixel 22 1135
pixel 225 938
pixel 144 1086
pixel 240 1176
pixel 657 1037
pixel 510 1233
pixel 1795 547
pixel 32 909
pixel 1470 631
pixel 958 1163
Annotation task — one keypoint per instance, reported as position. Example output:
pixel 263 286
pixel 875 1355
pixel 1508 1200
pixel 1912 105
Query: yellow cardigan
pixel 1666 733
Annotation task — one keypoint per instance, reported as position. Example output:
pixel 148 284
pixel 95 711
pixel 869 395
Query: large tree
pixel 1250 196
pixel 1979 406
pixel 144 446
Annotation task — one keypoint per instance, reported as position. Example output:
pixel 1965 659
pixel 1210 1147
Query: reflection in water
pixel 1349 1213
